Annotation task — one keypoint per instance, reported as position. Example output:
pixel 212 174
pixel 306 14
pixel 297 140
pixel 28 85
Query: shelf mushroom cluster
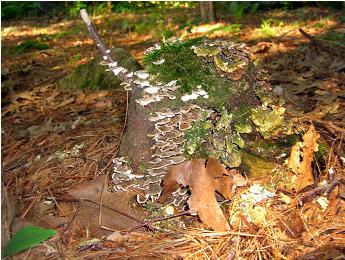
pixel 168 139
pixel 167 150
pixel 168 136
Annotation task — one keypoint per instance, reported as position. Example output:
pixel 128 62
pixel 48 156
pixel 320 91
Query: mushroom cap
pixel 160 165
pixel 142 83
pixel 187 97
pixel 183 126
pixel 163 121
pixel 141 74
pixel 159 145
pixel 164 128
pixel 145 101
pixel 173 134
pixel 167 154
pixel 159 62
pixel 178 159
pixel 170 96
pixel 168 147
pixel 112 64
pixel 118 70
pixel 179 140
pixel 151 89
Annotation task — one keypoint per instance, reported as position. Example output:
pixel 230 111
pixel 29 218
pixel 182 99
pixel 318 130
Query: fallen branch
pixel 324 189
pixel 120 74
pixel 95 202
pixel 309 37
pixel 186 213
pixel 101 46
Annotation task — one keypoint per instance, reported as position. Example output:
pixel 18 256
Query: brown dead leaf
pixel 103 104
pixel 294 161
pixel 65 102
pixel 119 237
pixel 37 130
pixel 88 99
pixel 261 47
pixel 304 168
pixel 116 213
pixel 204 178
pixel 309 147
pixel 293 224
pixel 11 108
pixel 29 95
pixel 202 199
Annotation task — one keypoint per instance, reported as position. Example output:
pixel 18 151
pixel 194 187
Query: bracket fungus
pixel 195 99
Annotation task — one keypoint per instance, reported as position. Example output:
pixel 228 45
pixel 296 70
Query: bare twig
pixel 309 37
pixel 116 151
pixel 106 55
pixel 29 207
pixel 324 189
pixel 186 213
pixel 95 202
pixel 101 46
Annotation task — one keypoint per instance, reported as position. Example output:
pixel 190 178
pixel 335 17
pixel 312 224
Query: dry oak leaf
pixel 304 151
pixel 204 178
pixel 90 98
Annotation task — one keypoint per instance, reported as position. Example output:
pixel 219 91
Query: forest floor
pixel 54 140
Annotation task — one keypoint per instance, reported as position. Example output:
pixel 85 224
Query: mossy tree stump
pixel 195 99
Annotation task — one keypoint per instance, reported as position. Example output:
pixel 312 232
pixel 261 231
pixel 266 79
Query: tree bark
pixel 203 10
pixel 211 13
pixel 207 12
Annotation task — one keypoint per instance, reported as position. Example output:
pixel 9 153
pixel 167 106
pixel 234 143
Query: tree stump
pixel 195 99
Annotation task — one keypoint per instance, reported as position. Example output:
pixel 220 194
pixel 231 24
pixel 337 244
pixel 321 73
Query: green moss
pixel 93 76
pixel 322 153
pixel 31 45
pixel 268 122
pixel 224 143
pixel 224 121
pixel 272 150
pixel 183 65
pixel 195 139
pixel 242 122
pixel 142 167
pixel 255 166
pixel 170 47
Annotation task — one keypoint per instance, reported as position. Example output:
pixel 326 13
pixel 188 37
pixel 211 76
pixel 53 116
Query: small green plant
pixel 323 22
pixel 231 28
pixel 337 38
pixel 75 30
pixel 75 8
pixel 188 24
pixel 266 27
pixel 75 58
pixel 239 9
pixel 168 33
pixel 26 238
pixel 31 45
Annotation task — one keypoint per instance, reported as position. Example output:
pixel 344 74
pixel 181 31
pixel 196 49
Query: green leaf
pixel 27 237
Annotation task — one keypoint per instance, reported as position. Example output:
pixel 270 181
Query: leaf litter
pixel 264 222
pixel 204 178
